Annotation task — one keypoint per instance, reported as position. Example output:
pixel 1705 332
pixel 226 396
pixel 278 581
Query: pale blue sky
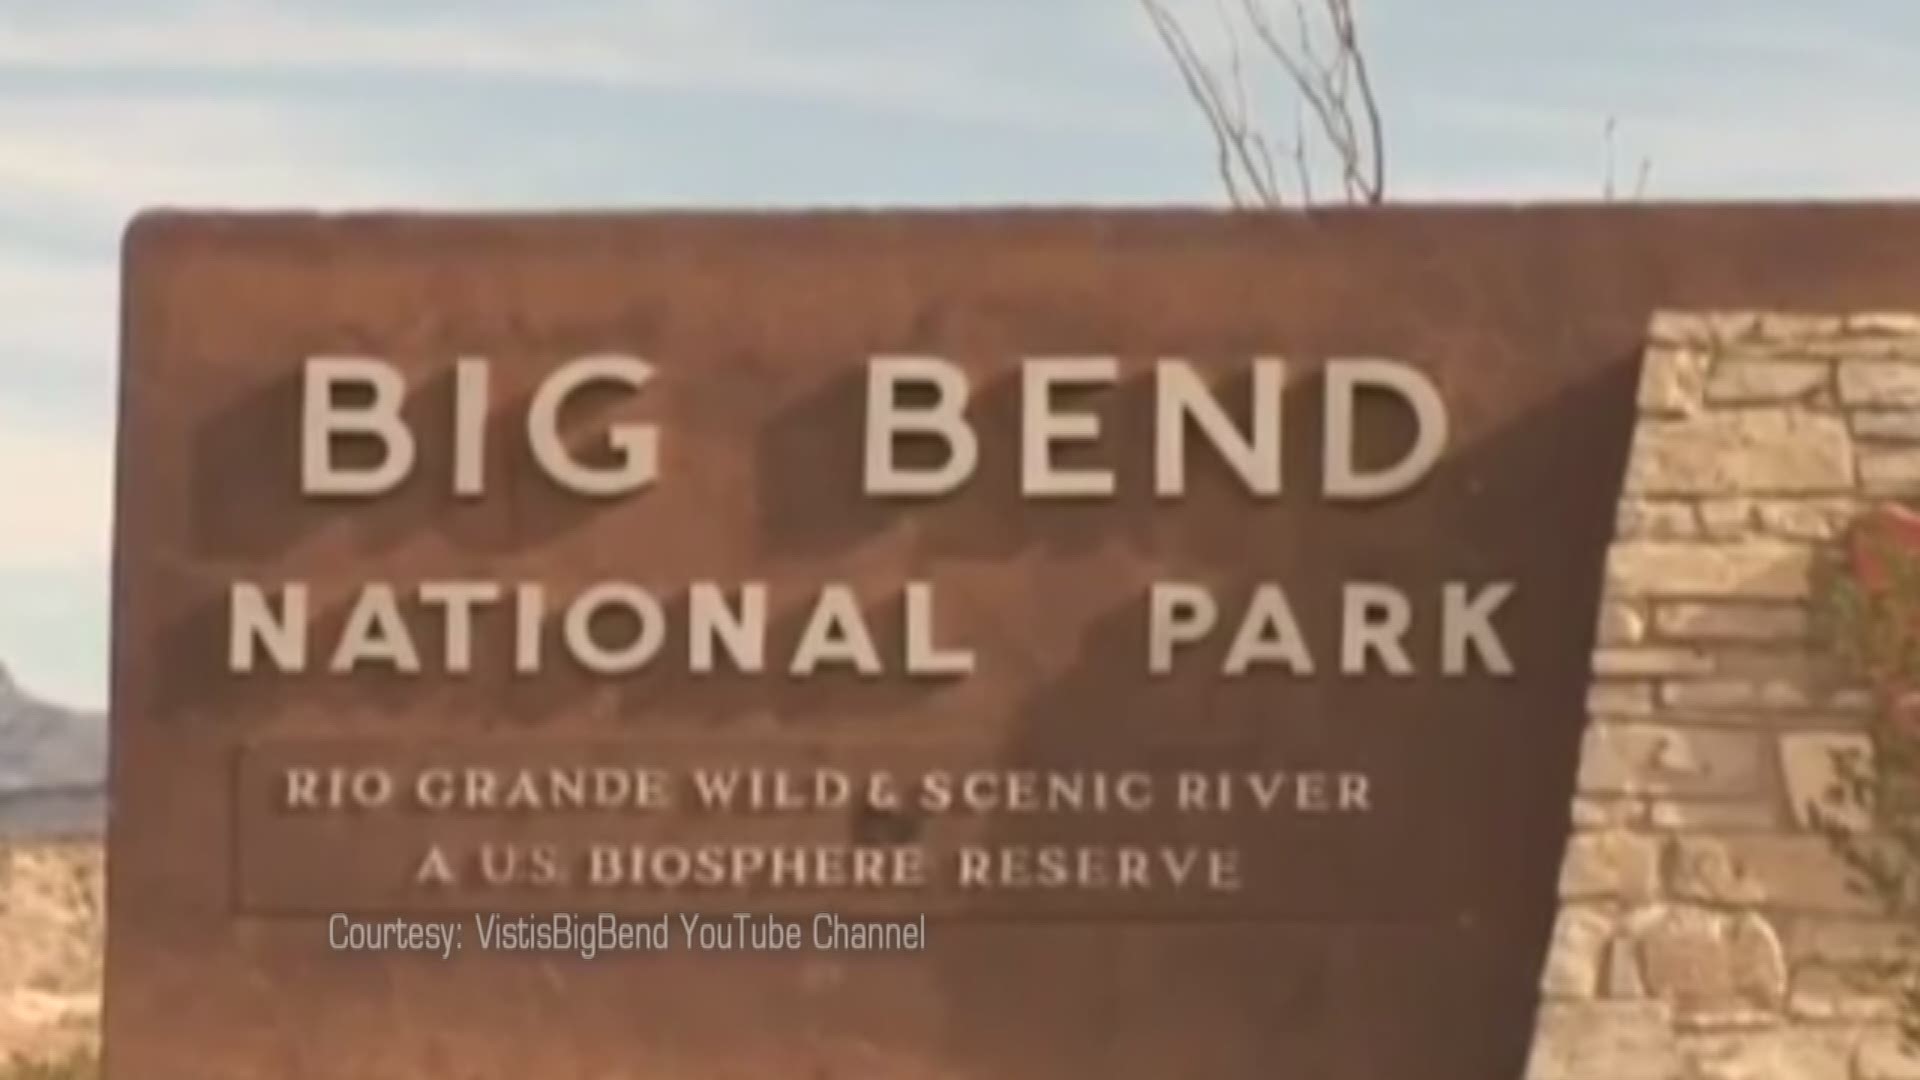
pixel 110 105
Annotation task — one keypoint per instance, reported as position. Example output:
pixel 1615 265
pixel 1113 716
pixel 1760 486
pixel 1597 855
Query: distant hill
pixel 52 764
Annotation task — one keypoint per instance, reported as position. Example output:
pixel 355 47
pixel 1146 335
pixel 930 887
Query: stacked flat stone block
pixel 1707 932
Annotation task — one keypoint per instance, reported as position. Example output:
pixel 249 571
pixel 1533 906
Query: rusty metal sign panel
pixel 849 645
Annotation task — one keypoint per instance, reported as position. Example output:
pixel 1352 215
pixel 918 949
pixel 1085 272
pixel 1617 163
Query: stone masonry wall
pixel 1706 932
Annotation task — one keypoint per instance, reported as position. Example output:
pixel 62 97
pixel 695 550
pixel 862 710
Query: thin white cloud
pixel 1835 146
pixel 58 477
pixel 53 639
pixel 57 309
pixel 655 46
pixel 1811 36
pixel 105 156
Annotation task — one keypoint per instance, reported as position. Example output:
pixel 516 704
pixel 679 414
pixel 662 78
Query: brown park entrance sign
pixel 1006 645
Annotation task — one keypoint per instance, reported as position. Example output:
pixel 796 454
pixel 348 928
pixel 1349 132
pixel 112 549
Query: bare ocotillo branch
pixel 1338 129
pixel 1609 190
pixel 1240 156
pixel 1338 116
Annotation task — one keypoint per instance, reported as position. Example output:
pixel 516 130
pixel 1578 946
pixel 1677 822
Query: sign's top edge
pixel 162 220
pixel 1014 210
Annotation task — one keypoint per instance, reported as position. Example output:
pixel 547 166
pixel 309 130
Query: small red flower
pixel 1903 713
pixel 1886 530
pixel 1883 549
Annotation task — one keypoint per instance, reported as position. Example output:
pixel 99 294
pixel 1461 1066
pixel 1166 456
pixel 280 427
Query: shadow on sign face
pixel 1408 951
pixel 670 692
pixel 810 467
pixel 246 488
